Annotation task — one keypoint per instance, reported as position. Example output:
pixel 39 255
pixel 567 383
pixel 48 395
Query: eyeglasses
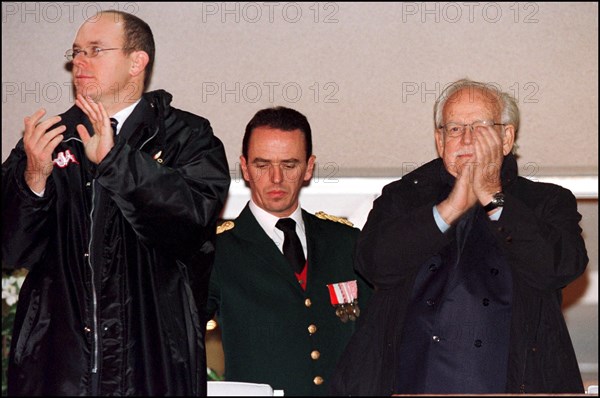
pixel 457 129
pixel 71 54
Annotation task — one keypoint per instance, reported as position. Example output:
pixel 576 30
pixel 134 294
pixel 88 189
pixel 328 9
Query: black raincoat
pixel 119 256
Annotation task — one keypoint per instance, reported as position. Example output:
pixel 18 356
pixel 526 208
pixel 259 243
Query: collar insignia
pixel 227 225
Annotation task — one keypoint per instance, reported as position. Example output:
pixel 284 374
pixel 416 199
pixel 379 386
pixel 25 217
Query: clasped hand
pixel 478 178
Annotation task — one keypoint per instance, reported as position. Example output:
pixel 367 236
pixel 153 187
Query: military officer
pixel 286 298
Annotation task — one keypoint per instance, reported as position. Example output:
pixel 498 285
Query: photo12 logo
pixel 323 172
pixel 253 92
pixel 269 12
pixel 528 170
pixel 471 12
pixel 37 92
pixel 54 92
pixel 526 93
pixel 53 12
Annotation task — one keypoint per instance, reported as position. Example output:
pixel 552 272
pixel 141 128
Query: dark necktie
pixel 292 248
pixel 113 123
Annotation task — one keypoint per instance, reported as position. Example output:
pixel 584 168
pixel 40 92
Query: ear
pixel 311 166
pixel 244 166
pixel 439 142
pixel 139 60
pixel 508 140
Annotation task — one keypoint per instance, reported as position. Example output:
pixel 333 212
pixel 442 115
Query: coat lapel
pixel 317 249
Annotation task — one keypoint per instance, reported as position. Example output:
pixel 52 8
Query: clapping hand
pixel 98 145
pixel 39 143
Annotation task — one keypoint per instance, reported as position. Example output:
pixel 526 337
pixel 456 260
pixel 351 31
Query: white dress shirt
pixel 267 221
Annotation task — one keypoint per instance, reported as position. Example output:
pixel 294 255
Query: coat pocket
pixel 29 336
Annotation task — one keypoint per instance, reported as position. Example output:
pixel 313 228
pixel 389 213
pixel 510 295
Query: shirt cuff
pixel 439 220
pixel 40 194
pixel 496 215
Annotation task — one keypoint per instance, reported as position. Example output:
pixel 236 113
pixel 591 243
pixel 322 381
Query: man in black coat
pixel 468 260
pixel 116 226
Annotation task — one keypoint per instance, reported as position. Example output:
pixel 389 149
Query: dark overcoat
pixel 540 236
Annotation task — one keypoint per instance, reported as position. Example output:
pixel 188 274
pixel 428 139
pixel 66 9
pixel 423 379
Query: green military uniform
pixel 273 331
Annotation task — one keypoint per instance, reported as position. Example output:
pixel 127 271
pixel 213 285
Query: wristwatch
pixel 497 201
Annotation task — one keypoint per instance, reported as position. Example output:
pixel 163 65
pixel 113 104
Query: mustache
pixel 461 152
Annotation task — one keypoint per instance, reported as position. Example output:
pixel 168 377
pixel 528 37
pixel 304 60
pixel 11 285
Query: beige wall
pixel 366 75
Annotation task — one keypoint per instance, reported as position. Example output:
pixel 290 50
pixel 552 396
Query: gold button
pixel 318 380
pixel 315 354
pixel 312 329
pixel 307 302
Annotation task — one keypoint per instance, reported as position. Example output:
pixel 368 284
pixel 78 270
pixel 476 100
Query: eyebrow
pixel 262 160
pixel 92 43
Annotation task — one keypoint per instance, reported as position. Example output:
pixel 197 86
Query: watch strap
pixel 491 206
pixel 497 201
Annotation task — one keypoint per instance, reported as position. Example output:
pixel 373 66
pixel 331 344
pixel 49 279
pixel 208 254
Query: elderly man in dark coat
pixel 468 260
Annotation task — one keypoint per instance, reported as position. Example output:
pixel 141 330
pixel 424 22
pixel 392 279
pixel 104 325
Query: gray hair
pixel 509 112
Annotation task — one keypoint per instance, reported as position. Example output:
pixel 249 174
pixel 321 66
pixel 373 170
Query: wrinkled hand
pixel 462 197
pixel 39 143
pixel 489 157
pixel 478 179
pixel 98 145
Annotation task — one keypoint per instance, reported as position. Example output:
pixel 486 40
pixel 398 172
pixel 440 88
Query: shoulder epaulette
pixel 325 216
pixel 226 226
